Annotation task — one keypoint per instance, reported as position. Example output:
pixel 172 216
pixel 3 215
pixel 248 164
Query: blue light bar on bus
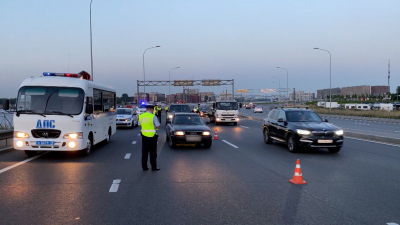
pixel 61 74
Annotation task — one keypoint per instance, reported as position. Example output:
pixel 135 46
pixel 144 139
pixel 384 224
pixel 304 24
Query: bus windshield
pixel 227 106
pixel 50 100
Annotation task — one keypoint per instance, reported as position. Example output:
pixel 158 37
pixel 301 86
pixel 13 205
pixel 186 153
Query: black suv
pixel 301 128
pixel 175 108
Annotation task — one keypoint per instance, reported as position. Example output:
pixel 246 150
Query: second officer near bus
pixel 149 125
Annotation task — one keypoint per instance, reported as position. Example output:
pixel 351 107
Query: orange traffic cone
pixel 297 176
pixel 215 135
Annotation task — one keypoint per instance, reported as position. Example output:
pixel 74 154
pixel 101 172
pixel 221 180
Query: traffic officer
pixel 158 107
pixel 198 109
pixel 166 109
pixel 149 125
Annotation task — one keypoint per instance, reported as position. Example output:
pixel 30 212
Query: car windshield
pixel 227 105
pixel 306 116
pixel 124 111
pixel 50 100
pixel 179 108
pixel 188 120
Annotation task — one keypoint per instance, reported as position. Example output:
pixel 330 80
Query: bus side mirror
pixel 6 104
pixel 89 109
pixel 240 105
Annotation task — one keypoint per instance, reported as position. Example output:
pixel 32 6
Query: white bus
pixel 63 112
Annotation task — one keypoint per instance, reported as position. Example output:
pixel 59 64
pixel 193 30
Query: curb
pixel 370 137
pixel 360 118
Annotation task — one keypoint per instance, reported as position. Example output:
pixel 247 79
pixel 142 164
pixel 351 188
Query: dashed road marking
pixel 115 185
pixel 127 156
pixel 230 144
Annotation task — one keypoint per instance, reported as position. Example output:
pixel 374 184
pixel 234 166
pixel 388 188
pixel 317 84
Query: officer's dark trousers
pixel 159 116
pixel 149 145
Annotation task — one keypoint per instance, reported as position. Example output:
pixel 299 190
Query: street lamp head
pixel 158 46
pixel 278 67
pixel 316 48
pixel 178 67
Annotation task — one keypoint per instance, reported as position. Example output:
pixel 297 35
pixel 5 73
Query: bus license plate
pixel 44 142
pixel 325 141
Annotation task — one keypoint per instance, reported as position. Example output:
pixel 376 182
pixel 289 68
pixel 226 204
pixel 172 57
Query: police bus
pixel 63 112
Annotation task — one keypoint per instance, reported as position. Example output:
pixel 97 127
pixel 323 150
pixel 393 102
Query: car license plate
pixel 119 122
pixel 44 142
pixel 325 141
pixel 193 139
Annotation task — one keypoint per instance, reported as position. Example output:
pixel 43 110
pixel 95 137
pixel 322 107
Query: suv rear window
pixel 179 108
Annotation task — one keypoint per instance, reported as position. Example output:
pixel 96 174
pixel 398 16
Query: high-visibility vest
pixel 166 107
pixel 154 111
pixel 158 108
pixel 146 122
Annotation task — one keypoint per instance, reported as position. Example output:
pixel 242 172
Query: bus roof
pixel 53 81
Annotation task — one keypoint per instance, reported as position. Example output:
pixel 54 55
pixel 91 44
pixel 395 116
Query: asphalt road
pixel 240 181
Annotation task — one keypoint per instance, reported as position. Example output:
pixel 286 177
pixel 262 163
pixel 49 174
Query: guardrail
pixel 5 135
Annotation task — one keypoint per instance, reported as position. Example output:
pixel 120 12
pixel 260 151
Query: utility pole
pixel 389 76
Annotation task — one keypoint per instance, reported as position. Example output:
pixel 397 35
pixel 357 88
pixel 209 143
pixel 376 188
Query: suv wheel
pixel 292 143
pixel 267 137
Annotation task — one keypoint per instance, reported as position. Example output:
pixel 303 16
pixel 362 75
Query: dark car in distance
pixel 176 108
pixel 188 128
pixel 301 128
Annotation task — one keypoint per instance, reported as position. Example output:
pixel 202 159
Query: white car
pixel 141 109
pixel 126 117
pixel 258 109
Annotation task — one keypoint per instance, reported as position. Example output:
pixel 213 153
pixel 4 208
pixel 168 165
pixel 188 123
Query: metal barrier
pixel 5 135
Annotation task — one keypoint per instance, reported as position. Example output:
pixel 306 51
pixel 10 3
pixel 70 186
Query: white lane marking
pixel 22 162
pixel 3 149
pixel 115 185
pixel 133 142
pixel 230 144
pixel 391 223
pixel 127 156
pixel 244 127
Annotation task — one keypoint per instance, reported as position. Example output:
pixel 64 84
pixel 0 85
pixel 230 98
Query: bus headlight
pixel 18 134
pixel 76 135
pixel 179 133
pixel 206 133
pixel 72 144
pixel 19 144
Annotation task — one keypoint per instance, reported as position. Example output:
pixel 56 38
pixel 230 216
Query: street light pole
pixel 279 86
pixel 91 52
pixel 330 78
pixel 144 74
pixel 169 79
pixel 287 83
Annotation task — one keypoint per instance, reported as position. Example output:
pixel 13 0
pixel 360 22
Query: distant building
pixel 321 94
pixel 302 96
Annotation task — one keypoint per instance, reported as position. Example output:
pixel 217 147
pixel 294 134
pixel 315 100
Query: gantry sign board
pixel 198 82
pixel 242 90
pixel 183 83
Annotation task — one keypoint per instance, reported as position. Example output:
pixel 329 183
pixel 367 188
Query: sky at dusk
pixel 219 39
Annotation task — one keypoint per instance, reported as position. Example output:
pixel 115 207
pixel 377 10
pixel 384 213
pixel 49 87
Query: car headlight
pixel 339 132
pixel 18 134
pixel 128 119
pixel 201 113
pixel 304 132
pixel 206 133
pixel 76 135
pixel 170 116
pixel 179 133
